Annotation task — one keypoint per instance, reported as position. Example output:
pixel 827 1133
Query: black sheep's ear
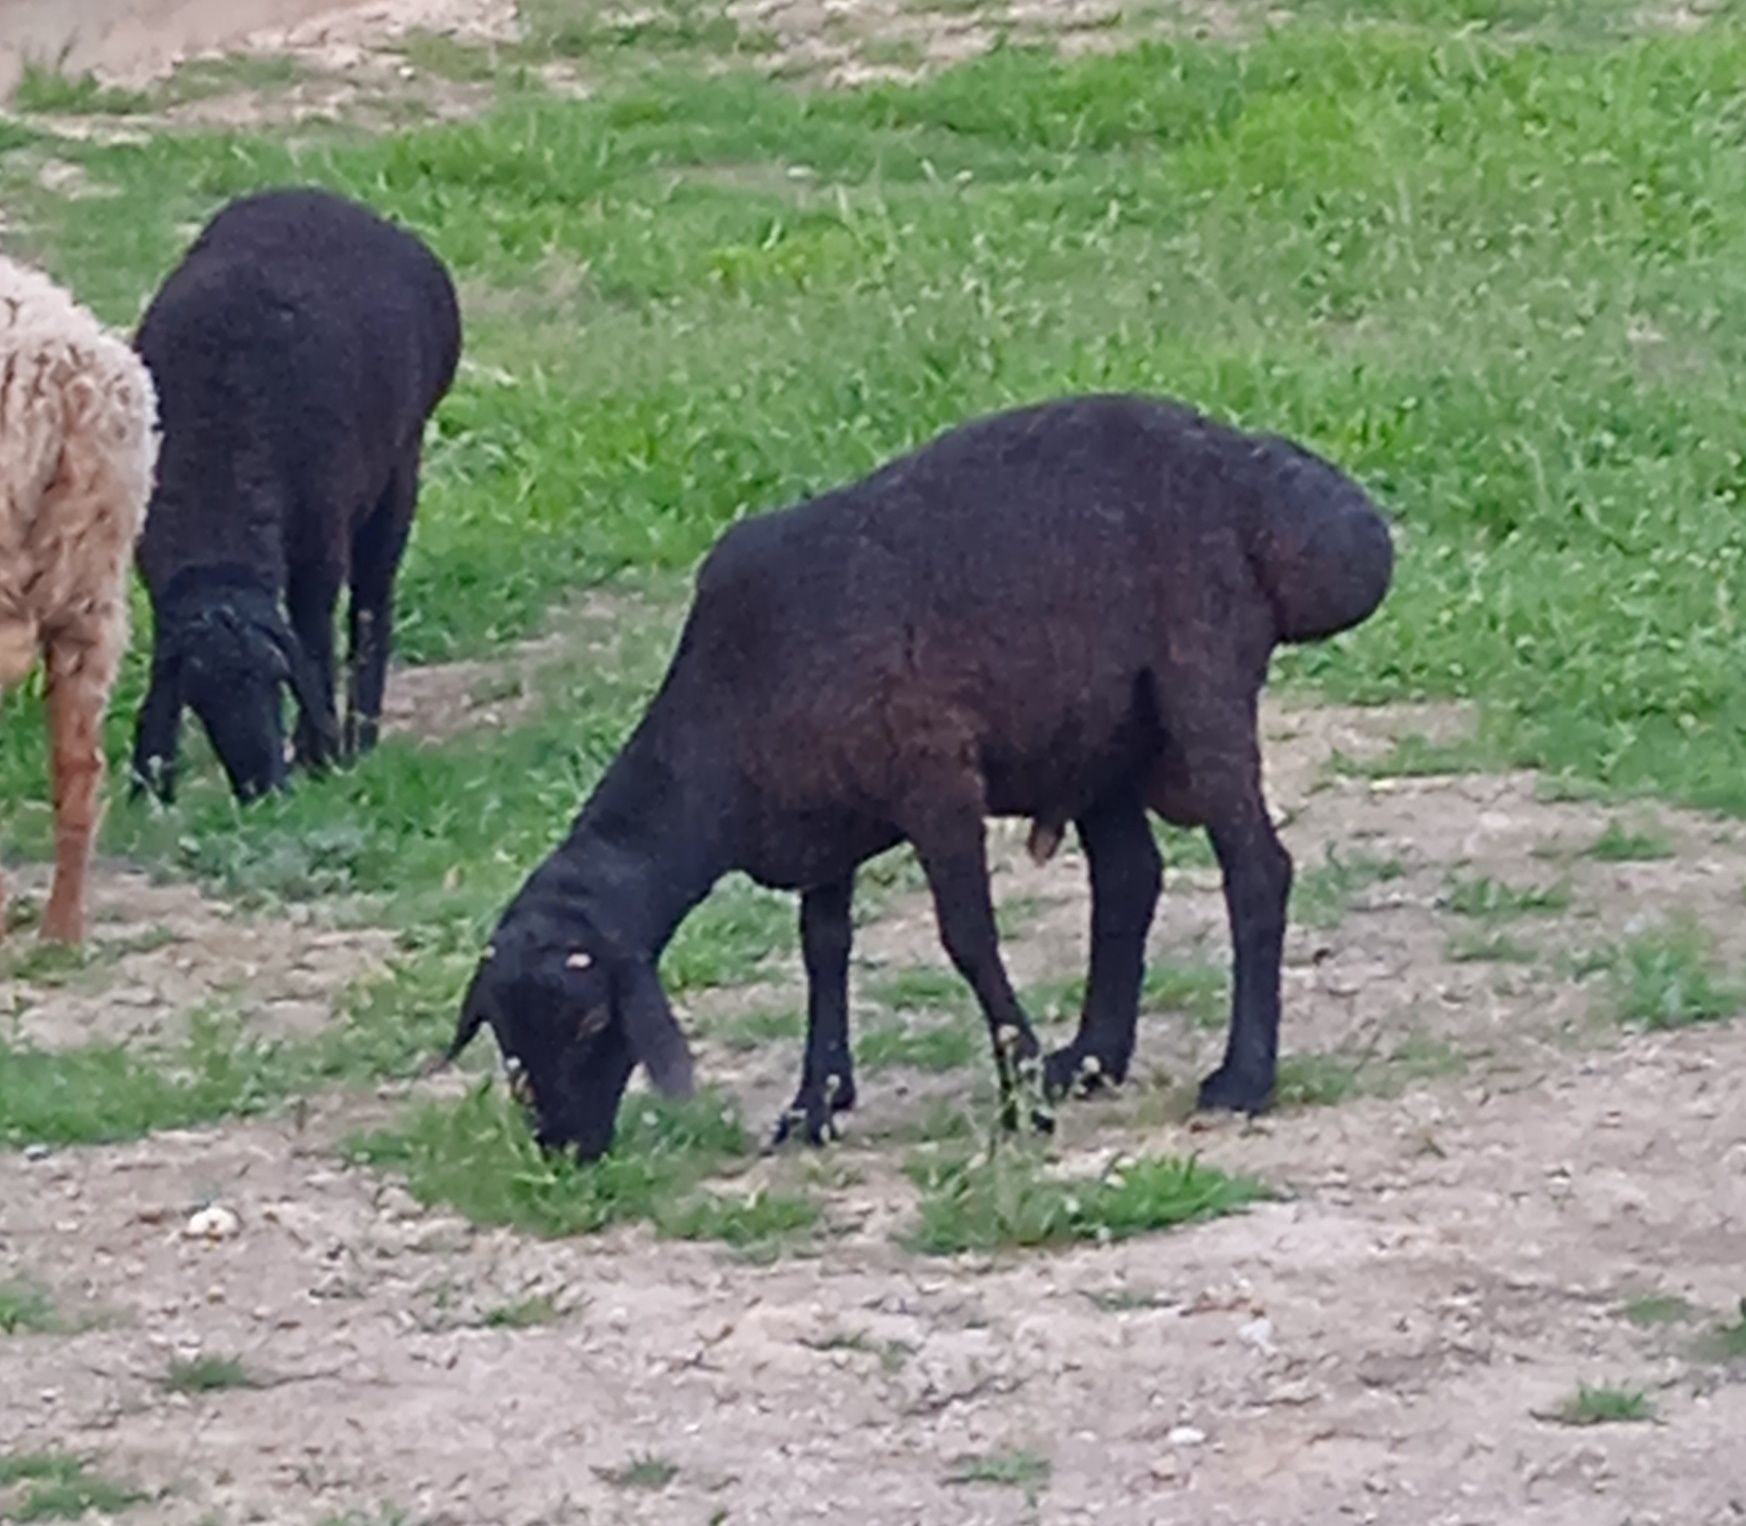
pixel 303 678
pixel 473 1015
pixel 160 716
pixel 654 1035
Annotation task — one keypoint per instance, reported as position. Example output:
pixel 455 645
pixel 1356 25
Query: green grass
pixel 103 1092
pixel 1357 221
pixel 523 1314
pixel 893 1355
pixel 49 91
pixel 1667 977
pixel 1727 1342
pixel 1491 900
pixel 646 1470
pixel 939 1046
pixel 1126 1300
pixel 1649 1310
pixel 923 988
pixel 1415 756
pixel 57 1486
pixel 1605 1406
pixel 1025 1471
pixel 1315 1080
pixel 1339 229
pixel 477 1157
pixel 1486 945
pixel 208 1374
pixel 1007 1200
pixel 27 1309
pixel 1196 988
pixel 1323 895
pixel 745 1032
pixel 1621 844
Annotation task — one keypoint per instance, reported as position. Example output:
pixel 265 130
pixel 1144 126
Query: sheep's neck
pixel 645 849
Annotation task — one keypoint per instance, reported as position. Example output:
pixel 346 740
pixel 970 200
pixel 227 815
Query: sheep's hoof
pixel 1232 1091
pixel 797 1123
pixel 812 1114
pixel 1071 1072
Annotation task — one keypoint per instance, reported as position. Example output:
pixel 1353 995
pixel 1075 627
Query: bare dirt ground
pixel 1448 1263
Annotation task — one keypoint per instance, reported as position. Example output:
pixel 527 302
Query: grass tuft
pixel 208 1374
pixel 1006 1200
pixel 644 1471
pixel 1322 896
pixel 26 1309
pixel 50 92
pixel 1492 900
pixel 1621 844
pixel 1028 1472
pixel 523 1314
pixel 1651 1309
pixel 56 1486
pixel 1667 978
pixel 1726 1343
pixel 1315 1080
pixel 1605 1406
pixel 477 1157
pixel 1487 946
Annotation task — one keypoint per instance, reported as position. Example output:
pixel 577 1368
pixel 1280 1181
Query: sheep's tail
pixel 1320 548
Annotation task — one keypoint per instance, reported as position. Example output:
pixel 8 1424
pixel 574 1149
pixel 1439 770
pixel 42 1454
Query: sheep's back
pixel 77 447
pixel 299 349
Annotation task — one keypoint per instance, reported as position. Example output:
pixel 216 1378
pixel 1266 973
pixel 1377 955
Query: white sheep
pixel 78 446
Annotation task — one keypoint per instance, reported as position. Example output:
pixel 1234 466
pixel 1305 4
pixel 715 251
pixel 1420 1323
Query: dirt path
pixel 1450 1261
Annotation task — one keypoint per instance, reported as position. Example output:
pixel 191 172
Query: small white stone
pixel 1186 1436
pixel 1259 1334
pixel 214 1222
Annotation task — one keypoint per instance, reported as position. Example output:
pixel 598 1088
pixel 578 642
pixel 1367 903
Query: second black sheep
pixel 298 351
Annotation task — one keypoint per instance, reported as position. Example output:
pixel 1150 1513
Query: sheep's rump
pixel 298 350
pixel 77 446
pixel 1022 590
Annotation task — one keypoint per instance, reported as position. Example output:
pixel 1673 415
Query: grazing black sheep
pixel 1063 612
pixel 298 350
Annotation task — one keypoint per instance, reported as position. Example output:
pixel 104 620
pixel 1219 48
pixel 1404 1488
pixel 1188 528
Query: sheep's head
pixel 573 1017
pixel 228 657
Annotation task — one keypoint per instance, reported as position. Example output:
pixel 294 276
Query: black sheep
pixel 298 351
pixel 1063 612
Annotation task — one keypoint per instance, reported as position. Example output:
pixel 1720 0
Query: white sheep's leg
pixel 77 689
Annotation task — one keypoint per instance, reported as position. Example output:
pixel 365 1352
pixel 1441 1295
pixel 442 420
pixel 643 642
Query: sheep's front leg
pixel 77 687
pixel 953 851
pixel 827 1078
pixel 310 596
pixel 1126 875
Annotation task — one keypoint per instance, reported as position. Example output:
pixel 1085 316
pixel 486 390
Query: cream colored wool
pixel 78 445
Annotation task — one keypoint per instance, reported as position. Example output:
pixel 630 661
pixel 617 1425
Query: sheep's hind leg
pixel 827 1078
pixel 311 594
pixel 77 687
pixel 376 553
pixel 1218 783
pixel 1126 874
pixel 951 843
